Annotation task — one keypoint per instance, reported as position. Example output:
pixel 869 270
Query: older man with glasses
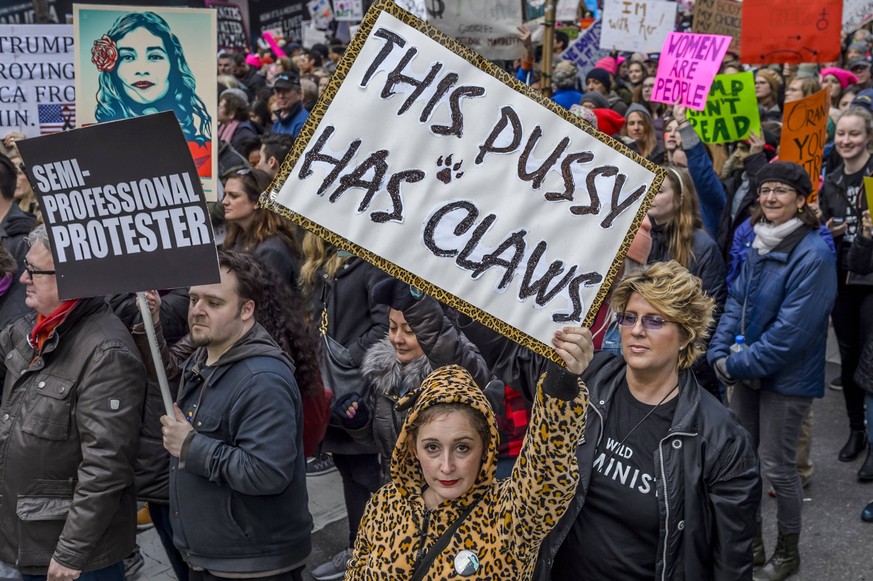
pixel 69 419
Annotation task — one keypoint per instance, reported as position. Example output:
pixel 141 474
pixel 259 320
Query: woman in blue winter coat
pixel 770 343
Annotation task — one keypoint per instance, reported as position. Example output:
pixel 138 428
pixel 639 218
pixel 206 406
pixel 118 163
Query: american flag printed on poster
pixel 56 117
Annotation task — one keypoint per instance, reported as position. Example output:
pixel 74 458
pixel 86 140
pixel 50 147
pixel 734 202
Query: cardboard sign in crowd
pixel 460 180
pixel 731 111
pixel 123 215
pixel 686 68
pixel 804 133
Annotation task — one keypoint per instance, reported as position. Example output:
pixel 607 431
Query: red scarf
pixel 45 326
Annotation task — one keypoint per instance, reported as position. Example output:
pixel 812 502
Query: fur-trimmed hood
pixel 389 376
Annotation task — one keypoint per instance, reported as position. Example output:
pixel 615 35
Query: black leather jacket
pixel 709 485
pixel 69 425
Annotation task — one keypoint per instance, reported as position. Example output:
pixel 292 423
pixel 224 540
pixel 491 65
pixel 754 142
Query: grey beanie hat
pixel 637 108
pixel 596 99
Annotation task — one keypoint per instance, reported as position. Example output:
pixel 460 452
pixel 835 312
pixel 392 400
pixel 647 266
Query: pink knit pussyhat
pixel 845 77
pixel 608 64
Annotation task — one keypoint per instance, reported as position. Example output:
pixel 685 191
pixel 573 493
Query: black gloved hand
pixel 361 416
pixel 397 295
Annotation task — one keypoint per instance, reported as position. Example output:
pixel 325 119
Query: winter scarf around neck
pixel 46 325
pixel 768 236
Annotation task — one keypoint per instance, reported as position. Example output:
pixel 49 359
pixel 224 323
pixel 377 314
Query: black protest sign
pixel 286 16
pixel 232 33
pixel 123 206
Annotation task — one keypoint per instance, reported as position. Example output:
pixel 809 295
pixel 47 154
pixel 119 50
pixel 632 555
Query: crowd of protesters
pixel 701 367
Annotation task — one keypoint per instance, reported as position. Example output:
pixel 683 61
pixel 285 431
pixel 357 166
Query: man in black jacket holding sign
pixel 237 477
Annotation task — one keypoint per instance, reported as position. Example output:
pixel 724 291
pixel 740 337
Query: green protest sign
pixel 731 111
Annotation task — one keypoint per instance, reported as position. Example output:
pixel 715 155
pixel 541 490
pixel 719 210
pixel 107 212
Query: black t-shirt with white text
pixel 854 184
pixel 615 537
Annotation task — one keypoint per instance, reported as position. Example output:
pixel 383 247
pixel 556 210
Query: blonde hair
pixel 680 229
pixel 318 256
pixel 679 296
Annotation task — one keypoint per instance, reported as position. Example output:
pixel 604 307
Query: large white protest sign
pixel 415 7
pixel 348 10
pixel 585 51
pixel 637 25
pixel 37 82
pixel 856 13
pixel 490 27
pixel 460 180
pixel 566 10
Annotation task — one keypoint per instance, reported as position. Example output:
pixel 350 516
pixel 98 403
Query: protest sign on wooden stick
pixel 464 182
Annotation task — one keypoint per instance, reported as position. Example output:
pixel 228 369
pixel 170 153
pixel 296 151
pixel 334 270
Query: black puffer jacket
pixel 442 344
pixel 706 262
pixel 354 321
pixel 152 469
pixel 709 484
pixel 708 265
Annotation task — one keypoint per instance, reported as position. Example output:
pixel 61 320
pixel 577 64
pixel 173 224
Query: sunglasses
pixel 650 322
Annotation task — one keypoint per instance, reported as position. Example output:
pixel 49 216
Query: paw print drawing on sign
pixel 445 174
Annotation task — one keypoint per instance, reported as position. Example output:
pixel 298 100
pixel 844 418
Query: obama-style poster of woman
pixel 133 61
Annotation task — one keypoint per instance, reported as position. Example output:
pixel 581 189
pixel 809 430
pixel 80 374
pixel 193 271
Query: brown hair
pixel 680 229
pixel 479 422
pixel 265 223
pixel 650 141
pixel 775 82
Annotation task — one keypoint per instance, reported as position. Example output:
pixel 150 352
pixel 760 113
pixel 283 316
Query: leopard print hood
pixel 450 384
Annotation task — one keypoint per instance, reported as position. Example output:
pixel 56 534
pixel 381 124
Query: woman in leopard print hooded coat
pixel 510 517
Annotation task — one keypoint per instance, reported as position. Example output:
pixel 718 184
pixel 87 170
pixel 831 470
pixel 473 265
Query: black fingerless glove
pixel 360 419
pixel 560 383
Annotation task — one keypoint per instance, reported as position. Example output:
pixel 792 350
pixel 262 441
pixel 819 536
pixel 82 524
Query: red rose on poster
pixel 104 54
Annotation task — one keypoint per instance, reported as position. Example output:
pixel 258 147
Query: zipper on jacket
pixel 600 435
pixel 667 497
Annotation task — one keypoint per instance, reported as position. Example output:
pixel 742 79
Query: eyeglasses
pixel 34 272
pixel 779 192
pixel 650 322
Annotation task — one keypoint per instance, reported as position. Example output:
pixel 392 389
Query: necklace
pixel 639 423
